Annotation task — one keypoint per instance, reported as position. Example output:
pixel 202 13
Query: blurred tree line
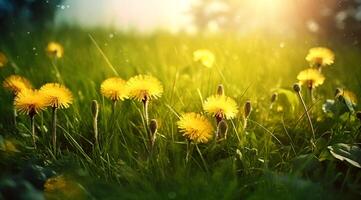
pixel 324 18
pixel 17 15
pixel 335 18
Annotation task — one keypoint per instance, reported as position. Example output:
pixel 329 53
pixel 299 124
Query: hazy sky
pixel 139 14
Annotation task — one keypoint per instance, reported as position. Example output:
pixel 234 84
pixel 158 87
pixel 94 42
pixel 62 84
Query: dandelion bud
pixel 220 90
pixel 222 129
pixel 358 115
pixel 274 97
pixel 297 87
pixel 247 109
pixel 95 108
pixel 153 127
pixel 338 93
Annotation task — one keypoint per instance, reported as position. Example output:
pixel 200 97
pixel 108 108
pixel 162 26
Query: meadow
pixel 272 157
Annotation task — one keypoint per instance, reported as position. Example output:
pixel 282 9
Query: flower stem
pixel 53 130
pixel 203 160
pixel 32 124
pixel 308 115
pixel 245 122
pixel 145 110
pixel 57 73
pixel 189 150
pixel 319 67
pixel 153 129
pixel 219 118
pixel 95 113
pixel 114 105
pixel 95 129
pixel 311 94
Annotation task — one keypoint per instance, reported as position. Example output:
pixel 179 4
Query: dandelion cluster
pixel 31 101
pixel 312 77
pixel 195 127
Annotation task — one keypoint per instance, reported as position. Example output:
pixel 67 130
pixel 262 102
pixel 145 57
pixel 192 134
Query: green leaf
pixel 337 107
pixel 305 163
pixel 346 152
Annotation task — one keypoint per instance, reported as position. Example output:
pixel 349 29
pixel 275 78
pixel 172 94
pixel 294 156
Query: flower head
pixel 114 88
pixel 311 77
pixel 55 50
pixel 195 127
pixel 3 60
pixel 320 56
pixel 58 95
pixel 16 84
pixel 30 102
pixel 221 106
pixel 205 56
pixel 144 87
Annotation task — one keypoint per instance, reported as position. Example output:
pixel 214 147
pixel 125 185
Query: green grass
pixel 271 159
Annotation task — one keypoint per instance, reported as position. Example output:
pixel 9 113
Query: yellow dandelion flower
pixel 58 95
pixel 221 106
pixel 114 88
pixel 144 87
pixel 204 56
pixel 320 56
pixel 55 50
pixel 16 84
pixel 311 77
pixel 30 102
pixel 3 60
pixel 195 127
